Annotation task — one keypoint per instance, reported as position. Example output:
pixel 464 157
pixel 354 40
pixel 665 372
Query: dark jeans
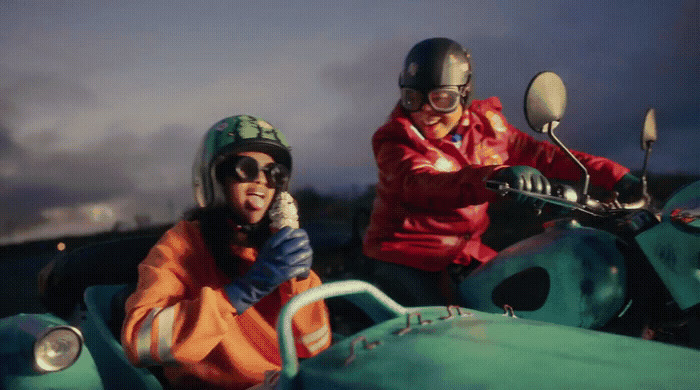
pixel 406 285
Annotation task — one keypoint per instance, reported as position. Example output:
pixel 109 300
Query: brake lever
pixel 504 188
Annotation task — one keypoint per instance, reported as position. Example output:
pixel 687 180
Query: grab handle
pixel 357 290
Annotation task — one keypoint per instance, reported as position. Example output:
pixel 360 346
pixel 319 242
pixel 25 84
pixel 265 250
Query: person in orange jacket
pixel 434 155
pixel 209 292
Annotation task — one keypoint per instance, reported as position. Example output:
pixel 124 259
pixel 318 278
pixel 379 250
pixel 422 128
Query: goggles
pixel 442 99
pixel 246 169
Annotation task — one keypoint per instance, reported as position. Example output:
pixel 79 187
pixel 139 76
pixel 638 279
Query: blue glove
pixel 285 255
pixel 629 187
pixel 526 178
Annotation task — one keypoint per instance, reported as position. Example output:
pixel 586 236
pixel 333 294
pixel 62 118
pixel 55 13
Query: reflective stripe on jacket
pixel 180 317
pixel 431 204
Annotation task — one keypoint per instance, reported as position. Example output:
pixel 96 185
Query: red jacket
pixel 180 317
pixel 431 203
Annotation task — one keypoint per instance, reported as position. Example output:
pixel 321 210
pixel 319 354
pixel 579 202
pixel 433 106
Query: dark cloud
pixel 366 85
pixel 7 144
pixel 681 69
pixel 150 175
pixel 33 183
pixel 615 63
pixel 616 58
pixel 49 90
pixel 367 78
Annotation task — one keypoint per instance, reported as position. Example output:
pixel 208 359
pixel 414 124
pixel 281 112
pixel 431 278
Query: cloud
pixel 105 105
pixel 129 174
pixel 364 89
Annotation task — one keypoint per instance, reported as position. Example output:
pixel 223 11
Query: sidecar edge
pixel 115 369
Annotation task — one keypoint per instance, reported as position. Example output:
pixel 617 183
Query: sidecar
pixel 42 351
pixel 407 348
pixel 452 347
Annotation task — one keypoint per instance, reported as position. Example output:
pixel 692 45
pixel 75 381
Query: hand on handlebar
pixel 525 178
pixel 629 188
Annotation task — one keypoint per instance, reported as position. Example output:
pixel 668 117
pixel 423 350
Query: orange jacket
pixel 180 317
pixel 431 204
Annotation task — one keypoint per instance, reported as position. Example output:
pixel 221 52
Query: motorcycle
pixel 623 268
pixel 537 282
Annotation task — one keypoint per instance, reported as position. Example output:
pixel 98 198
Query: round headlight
pixel 57 348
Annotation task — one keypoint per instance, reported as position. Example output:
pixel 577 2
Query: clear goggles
pixel 246 169
pixel 442 99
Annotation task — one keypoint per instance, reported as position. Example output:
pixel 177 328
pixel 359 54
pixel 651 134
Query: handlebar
pixel 566 196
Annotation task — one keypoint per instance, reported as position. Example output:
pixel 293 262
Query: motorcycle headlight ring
pixel 57 348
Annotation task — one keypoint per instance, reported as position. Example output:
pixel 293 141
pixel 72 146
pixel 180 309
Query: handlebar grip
pixel 496 185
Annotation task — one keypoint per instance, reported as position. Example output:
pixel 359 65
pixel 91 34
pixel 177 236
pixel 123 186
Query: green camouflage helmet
pixel 227 137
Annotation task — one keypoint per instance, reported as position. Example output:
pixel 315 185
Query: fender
pixel 569 275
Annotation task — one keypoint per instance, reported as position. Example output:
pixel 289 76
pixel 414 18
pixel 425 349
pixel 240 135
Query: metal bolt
pixel 508 311
pixel 407 329
pixel 366 345
pixel 450 313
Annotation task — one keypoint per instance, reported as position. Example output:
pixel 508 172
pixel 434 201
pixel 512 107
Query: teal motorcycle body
pixel 570 275
pixel 673 246
pixel 585 276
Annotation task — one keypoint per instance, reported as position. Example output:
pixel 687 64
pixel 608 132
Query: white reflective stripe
pixel 320 343
pixel 166 322
pixel 316 340
pixel 315 335
pixel 143 341
pixel 418 133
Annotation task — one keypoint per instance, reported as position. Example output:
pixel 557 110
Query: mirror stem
pixel 645 193
pixel 586 176
pixel 646 159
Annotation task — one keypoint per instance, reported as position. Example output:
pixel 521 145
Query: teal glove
pixel 526 178
pixel 629 187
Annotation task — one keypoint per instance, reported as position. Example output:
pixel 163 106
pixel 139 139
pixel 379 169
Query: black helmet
pixel 437 62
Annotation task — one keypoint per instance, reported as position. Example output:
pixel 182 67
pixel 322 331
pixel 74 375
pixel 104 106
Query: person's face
pixel 250 200
pixel 433 124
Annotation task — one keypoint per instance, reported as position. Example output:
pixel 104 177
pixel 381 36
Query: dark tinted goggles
pixel 246 169
pixel 443 99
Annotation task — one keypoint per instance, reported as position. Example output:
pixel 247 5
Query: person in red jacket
pixel 209 292
pixel 434 155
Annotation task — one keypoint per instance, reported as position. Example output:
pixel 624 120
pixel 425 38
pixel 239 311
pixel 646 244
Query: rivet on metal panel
pixel 407 329
pixel 508 311
pixel 366 345
pixel 450 314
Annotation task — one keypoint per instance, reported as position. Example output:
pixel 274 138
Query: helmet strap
pixel 465 91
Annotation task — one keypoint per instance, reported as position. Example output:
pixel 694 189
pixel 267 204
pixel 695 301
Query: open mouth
pixel 431 121
pixel 255 199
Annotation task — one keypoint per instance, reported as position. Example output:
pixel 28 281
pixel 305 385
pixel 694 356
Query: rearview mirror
pixel 649 130
pixel 545 102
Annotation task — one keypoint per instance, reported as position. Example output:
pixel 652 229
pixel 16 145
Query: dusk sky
pixel 103 103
